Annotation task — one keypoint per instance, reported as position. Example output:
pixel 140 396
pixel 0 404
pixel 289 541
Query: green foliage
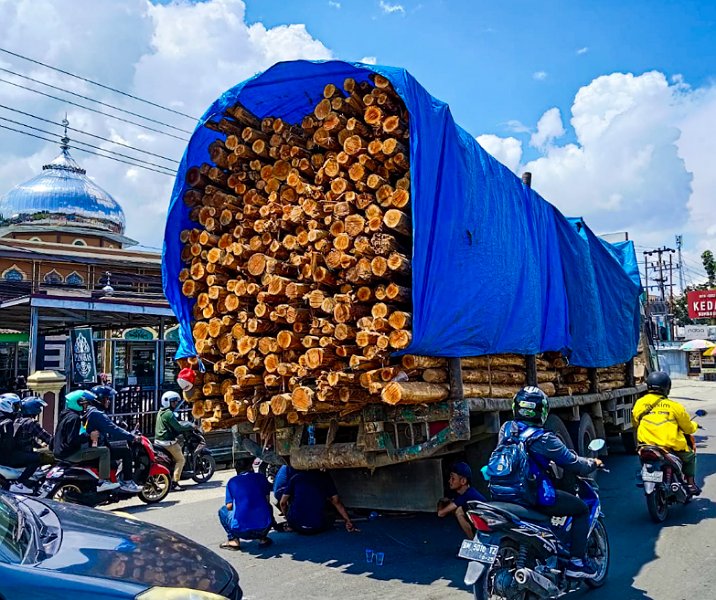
pixel 709 266
pixel 681 310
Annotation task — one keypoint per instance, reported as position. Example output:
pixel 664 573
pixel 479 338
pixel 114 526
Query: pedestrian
pixel 247 513
pixel 460 483
pixel 280 482
pixel 310 503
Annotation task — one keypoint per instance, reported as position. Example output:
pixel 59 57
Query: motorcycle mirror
pixel 701 412
pixel 597 445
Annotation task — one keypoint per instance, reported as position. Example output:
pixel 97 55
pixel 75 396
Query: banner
pixel 702 304
pixel 84 367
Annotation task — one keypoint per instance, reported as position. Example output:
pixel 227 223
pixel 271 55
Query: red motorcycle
pixel 77 483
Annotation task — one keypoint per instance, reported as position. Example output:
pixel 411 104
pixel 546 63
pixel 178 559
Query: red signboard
pixel 702 304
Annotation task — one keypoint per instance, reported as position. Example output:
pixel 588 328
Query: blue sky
pixel 484 57
pixel 611 105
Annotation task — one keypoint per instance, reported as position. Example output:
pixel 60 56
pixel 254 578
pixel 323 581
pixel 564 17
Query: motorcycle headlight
pixel 165 593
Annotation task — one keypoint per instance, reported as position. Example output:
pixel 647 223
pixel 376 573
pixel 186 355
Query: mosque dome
pixel 62 195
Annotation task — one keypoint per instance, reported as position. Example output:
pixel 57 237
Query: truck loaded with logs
pixel 360 285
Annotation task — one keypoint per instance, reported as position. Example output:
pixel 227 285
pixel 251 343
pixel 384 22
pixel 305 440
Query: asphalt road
pixel 674 561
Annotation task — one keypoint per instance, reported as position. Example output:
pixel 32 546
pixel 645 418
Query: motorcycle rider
pixel 29 434
pixel 660 421
pixel 112 435
pixel 530 407
pixel 72 443
pixel 11 454
pixel 167 429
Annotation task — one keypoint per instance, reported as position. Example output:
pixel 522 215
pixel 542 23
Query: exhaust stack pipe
pixel 535 583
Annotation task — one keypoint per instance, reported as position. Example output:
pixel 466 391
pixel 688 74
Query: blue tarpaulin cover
pixel 495 268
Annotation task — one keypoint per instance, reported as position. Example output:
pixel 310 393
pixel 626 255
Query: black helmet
pixel 659 381
pixel 531 405
pixel 104 394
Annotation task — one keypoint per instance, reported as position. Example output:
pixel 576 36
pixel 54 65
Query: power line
pixel 83 143
pixel 99 112
pixel 106 87
pixel 134 164
pixel 99 137
pixel 66 91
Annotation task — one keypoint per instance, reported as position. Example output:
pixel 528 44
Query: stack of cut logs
pixel 299 261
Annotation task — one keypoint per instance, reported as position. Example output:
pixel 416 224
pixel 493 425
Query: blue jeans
pixel 225 520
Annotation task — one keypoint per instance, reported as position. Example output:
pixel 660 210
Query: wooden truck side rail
pixel 387 436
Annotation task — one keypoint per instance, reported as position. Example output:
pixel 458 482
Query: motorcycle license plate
pixel 655 476
pixel 474 550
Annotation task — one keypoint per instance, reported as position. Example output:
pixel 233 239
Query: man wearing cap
pixel 460 483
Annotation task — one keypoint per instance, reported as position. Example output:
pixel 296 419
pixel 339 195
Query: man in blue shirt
pixel 305 503
pixel 460 482
pixel 247 513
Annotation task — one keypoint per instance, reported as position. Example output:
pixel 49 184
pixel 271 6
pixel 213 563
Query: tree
pixel 681 310
pixel 709 266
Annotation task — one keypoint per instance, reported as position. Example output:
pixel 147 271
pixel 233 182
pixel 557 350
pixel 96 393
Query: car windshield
pixel 15 535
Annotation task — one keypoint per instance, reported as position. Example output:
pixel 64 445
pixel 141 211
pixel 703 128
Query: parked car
pixel 51 550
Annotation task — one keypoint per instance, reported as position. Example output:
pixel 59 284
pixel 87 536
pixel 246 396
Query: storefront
pixel 14 353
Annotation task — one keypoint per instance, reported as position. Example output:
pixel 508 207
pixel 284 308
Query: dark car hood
pixel 100 544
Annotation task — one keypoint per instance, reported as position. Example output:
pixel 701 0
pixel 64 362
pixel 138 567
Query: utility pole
pixel 679 242
pixel 661 281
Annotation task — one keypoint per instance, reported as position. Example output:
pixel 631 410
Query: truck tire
pixel 582 432
pixel 557 426
pixel 629 441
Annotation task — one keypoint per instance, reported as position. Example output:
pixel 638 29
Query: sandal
pixel 282 527
pixel 229 545
pixel 265 543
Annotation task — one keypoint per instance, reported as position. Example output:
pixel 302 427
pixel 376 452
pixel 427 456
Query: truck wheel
pixel 629 441
pixel 557 426
pixel 583 433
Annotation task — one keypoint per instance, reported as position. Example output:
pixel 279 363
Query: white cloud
pixel 626 170
pixel 369 60
pixel 332 4
pixel 640 161
pixel 549 127
pixel 516 126
pixel 507 150
pixel 174 54
pixel 539 75
pixel 583 50
pixel 389 8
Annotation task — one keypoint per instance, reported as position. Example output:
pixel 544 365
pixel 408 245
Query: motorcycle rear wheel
pixel 65 493
pixel 204 468
pixel 483 588
pixel 598 544
pixel 155 489
pixel 658 505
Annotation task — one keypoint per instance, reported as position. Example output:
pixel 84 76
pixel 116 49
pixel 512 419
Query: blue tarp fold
pixel 496 268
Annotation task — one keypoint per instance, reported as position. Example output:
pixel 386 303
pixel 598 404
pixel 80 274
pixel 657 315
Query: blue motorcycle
pixel 521 554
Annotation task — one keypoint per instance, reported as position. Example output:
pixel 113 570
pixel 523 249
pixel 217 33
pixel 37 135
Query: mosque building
pixel 67 265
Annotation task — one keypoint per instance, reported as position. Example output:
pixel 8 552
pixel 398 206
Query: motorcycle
pixel 662 478
pixel 77 483
pixel 9 475
pixel 200 464
pixel 520 553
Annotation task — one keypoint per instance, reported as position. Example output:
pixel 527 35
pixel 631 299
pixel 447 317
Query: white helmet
pixel 168 397
pixel 10 403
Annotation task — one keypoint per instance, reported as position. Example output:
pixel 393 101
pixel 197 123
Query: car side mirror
pixel 701 413
pixel 597 444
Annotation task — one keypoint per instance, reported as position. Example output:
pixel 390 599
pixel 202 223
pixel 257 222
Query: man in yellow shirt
pixel 660 421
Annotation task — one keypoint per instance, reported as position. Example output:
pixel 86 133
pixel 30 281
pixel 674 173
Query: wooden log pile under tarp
pixel 300 264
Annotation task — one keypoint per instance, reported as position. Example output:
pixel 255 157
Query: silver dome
pixel 62 195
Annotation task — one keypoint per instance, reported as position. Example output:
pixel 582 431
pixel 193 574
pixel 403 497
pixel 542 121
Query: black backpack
pixel 7 437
